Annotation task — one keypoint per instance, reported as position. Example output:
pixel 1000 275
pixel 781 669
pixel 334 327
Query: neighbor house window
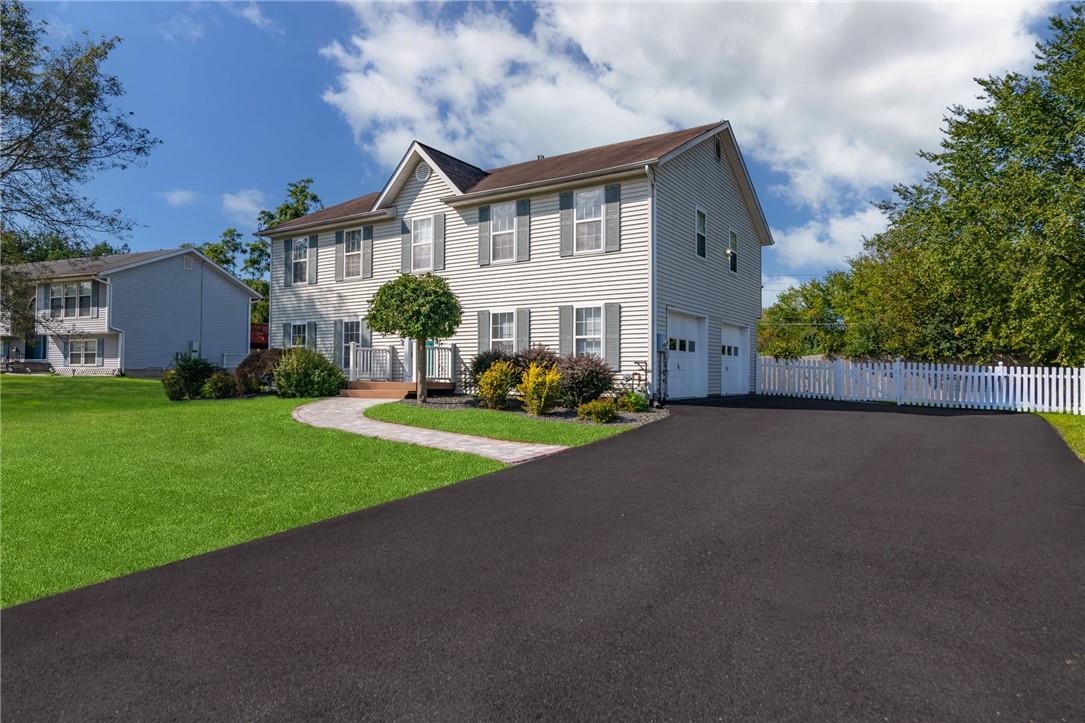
pixel 702 233
pixel 589 220
pixel 732 250
pixel 716 147
pixel 352 334
pixel 503 232
pixel 297 335
pixel 422 244
pixel 503 331
pixel 588 331
pixel 352 253
pixel 300 258
pixel 70 300
pixel 82 352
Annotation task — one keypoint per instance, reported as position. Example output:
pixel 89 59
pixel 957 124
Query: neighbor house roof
pixel 472 181
pixel 89 266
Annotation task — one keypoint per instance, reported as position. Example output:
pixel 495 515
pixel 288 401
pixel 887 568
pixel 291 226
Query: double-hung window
pixel 84 298
pixel 702 233
pixel 82 352
pixel 588 220
pixel 297 335
pixel 56 301
pixel 352 334
pixel 588 331
pixel 422 244
pixel 352 253
pixel 732 250
pixel 503 331
pixel 503 232
pixel 300 261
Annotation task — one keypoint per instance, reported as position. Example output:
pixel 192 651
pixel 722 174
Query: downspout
pixel 653 354
pixel 109 323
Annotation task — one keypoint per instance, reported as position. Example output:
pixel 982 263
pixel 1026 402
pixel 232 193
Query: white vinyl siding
pixel 502 232
pixel 542 284
pixel 692 180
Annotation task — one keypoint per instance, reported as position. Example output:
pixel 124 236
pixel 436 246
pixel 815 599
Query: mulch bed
pixel 559 414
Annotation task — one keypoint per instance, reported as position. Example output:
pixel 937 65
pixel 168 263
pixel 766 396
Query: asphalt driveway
pixel 763 560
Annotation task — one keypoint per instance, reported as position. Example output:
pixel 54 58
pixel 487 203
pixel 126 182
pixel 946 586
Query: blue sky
pixel 829 102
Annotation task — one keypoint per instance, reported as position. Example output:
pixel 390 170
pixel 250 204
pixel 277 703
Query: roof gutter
pixel 468 198
pixel 381 215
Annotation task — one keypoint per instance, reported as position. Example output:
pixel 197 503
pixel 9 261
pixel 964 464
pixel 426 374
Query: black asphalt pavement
pixel 753 560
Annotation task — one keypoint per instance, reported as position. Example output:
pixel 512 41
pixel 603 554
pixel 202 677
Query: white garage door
pixel 733 378
pixel 687 356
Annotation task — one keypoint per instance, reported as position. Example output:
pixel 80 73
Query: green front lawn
pixel 1072 429
pixel 103 477
pixel 495 424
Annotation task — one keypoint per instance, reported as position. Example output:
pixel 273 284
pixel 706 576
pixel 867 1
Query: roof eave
pixel 379 215
pixel 625 168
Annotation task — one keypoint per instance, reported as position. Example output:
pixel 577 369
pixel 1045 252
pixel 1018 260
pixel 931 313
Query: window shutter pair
pixel 612 220
pixel 523 232
pixel 288 262
pixel 612 321
pixel 313 241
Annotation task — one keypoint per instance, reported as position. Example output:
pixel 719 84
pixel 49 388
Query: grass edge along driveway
pixel 1071 427
pixel 103 477
pixel 494 424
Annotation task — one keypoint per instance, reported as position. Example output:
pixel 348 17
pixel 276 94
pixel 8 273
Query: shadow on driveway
pixel 743 559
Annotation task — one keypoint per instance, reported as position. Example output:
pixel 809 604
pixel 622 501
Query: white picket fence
pixel 1022 389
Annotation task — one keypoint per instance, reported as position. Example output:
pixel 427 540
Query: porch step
pixel 373 393
pixel 366 384
pixel 391 390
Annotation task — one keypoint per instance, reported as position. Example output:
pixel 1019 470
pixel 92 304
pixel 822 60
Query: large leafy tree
pixel 60 129
pixel 419 307
pixel 985 257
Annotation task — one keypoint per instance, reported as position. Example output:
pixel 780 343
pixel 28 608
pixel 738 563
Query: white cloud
pixel 836 97
pixel 179 196
pixel 252 12
pixel 773 286
pixel 826 243
pixel 243 206
pixel 182 27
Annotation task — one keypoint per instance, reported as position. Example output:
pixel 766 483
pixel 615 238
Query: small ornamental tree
pixel 418 307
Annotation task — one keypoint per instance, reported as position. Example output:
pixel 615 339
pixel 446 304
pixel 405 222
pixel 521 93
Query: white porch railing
pixel 439 363
pixel 368 362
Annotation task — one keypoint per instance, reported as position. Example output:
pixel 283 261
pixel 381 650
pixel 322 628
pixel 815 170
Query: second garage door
pixel 687 356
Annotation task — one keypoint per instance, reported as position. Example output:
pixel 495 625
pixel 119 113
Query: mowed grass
pixel 1072 429
pixel 104 477
pixel 495 424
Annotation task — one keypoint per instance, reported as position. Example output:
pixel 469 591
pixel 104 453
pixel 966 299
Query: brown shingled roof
pixel 471 179
pixel 85 266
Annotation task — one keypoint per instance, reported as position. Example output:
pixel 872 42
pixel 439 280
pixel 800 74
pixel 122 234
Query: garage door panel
pixel 687 356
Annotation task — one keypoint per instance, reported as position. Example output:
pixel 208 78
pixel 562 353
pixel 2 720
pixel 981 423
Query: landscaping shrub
pixel 219 386
pixel 600 410
pixel 630 401
pixel 538 354
pixel 495 384
pixel 192 372
pixel 539 388
pixel 303 372
pixel 256 371
pixel 583 379
pixel 482 363
pixel 172 383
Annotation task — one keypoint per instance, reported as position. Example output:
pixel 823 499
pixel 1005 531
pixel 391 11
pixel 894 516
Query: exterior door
pixel 733 360
pixel 687 358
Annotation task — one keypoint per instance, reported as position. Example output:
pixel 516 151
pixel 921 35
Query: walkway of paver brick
pixel 348 414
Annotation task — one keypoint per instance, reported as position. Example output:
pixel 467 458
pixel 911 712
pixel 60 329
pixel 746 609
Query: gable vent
pixel 422 172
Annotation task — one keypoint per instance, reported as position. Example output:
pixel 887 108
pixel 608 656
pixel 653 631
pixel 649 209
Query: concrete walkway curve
pixel 348 414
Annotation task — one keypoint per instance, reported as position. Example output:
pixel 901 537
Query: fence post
pixel 838 372
pixel 897 386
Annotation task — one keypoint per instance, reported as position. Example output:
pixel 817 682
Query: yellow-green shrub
pixel 495 384
pixel 539 387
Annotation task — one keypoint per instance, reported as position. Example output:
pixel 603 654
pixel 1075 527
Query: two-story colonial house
pixel 133 314
pixel 646 253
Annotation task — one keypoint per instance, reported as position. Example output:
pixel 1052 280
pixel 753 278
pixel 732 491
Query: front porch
pixel 389 372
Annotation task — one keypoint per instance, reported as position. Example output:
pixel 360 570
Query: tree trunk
pixel 420 370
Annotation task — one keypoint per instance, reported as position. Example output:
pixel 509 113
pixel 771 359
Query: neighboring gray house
pixel 646 253
pixel 134 313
